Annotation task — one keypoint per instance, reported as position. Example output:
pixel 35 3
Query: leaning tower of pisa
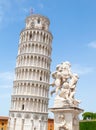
pixel 29 100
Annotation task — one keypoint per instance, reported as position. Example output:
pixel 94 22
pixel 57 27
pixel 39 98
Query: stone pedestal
pixel 66 118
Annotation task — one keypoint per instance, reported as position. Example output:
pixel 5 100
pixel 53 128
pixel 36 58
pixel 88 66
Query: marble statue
pixel 65 109
pixel 65 83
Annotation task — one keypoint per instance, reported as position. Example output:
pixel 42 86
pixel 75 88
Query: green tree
pixel 88 116
pixel 94 115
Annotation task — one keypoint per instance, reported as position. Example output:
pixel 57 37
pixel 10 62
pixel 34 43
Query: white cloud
pixel 92 44
pixel 82 70
pixel 6 76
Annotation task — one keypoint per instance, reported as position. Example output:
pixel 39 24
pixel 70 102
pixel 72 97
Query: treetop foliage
pixel 89 116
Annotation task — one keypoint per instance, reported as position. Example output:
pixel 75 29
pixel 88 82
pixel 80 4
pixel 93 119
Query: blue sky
pixel 73 25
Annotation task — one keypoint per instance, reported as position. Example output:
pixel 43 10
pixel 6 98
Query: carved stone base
pixel 60 102
pixel 66 118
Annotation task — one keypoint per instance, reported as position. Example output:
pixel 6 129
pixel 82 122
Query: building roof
pixel 4 118
pixel 51 119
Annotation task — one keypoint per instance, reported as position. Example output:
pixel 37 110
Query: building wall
pixel 50 124
pixel 3 123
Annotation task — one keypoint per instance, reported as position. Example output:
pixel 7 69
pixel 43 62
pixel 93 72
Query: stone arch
pixel 36 117
pixel 31 59
pixel 44 76
pixel 39 61
pixel 36 50
pixel 40 48
pixel 12 115
pixel 45 63
pixel 38 73
pixel 34 73
pixel 43 90
pixel 24 58
pixel 34 34
pixel 37 39
pixel 30 35
pixel 47 39
pixel 18 115
pixel 27 116
pixel 39 102
pixel 28 60
pixel 25 47
pixel 26 73
pixel 41 37
pixel 27 36
pixel 33 47
pixel 22 75
pixel 43 49
pixel 42 62
pixel 41 75
pixel 23 37
pixel 29 47
pixel 44 38
pixel 30 72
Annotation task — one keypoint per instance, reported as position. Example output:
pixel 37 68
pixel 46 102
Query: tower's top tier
pixel 37 21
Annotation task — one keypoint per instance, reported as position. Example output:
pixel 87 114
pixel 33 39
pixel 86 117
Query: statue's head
pixel 59 67
pixel 76 75
pixel 66 65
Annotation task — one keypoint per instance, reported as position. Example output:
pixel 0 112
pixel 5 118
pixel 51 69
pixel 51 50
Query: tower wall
pixel 29 101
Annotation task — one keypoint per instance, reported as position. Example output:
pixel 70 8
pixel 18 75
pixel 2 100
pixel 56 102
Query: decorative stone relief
pixel 63 125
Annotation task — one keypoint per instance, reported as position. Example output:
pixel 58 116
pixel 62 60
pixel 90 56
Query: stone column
pixel 32 126
pixel 39 124
pixel 22 127
pixel 14 123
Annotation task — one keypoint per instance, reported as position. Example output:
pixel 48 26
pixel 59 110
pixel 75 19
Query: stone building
pixel 50 124
pixel 29 100
pixel 3 122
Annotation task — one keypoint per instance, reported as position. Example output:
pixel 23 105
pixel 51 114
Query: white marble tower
pixel 29 100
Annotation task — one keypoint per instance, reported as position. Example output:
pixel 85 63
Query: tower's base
pixel 66 118
pixel 28 121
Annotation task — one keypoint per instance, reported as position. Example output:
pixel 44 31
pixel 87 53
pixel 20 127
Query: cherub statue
pixel 57 82
pixel 72 84
pixel 61 75
pixel 65 90
pixel 65 83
